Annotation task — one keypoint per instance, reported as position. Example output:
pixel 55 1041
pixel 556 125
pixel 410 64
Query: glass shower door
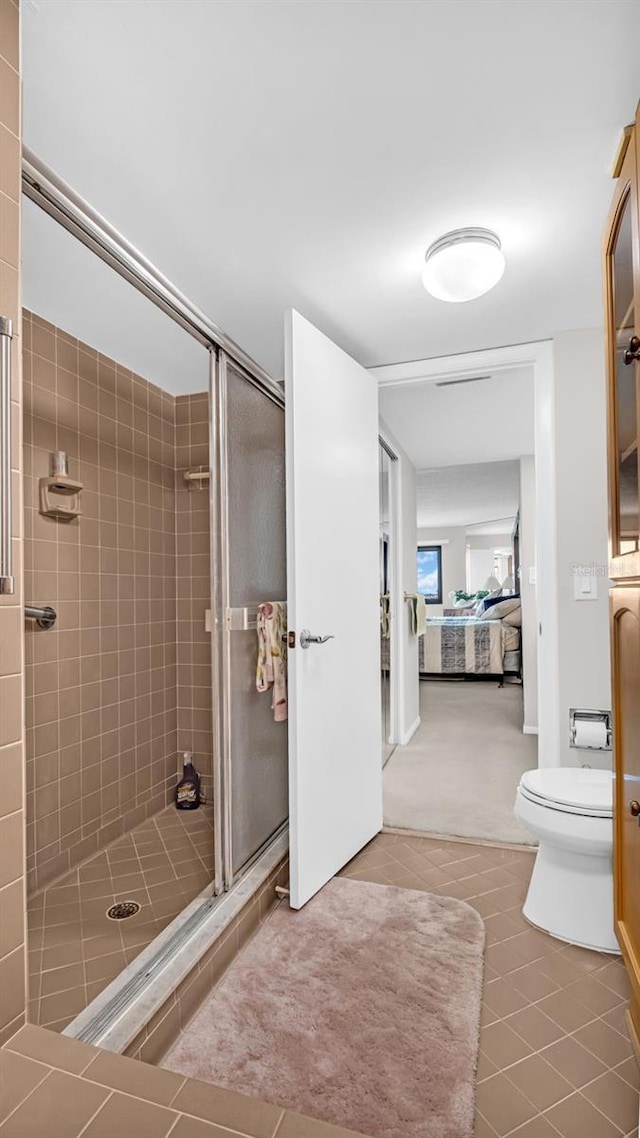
pixel 252 569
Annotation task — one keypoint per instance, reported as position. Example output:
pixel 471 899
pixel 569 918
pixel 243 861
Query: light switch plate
pixel 585 588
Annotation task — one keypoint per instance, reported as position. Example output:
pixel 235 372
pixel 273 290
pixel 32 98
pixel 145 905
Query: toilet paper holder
pixel 588 716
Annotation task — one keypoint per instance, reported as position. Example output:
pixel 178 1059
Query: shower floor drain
pixel 123 909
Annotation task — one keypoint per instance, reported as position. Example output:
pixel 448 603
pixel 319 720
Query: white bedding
pixel 466 645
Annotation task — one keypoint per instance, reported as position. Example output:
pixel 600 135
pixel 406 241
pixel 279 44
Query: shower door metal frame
pixel 217 671
pixel 220 599
pixel 44 187
pixel 221 631
pixel 60 201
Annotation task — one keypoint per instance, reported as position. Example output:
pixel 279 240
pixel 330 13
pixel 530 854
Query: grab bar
pixel 45 617
pixel 196 476
pixel 7 584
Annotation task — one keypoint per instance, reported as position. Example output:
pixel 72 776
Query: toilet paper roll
pixel 591 733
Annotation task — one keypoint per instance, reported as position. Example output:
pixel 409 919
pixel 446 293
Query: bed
pixel 469 645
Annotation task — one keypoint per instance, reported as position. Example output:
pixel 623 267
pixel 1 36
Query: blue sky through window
pixel 430 573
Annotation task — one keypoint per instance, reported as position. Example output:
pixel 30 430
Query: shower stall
pixel 154 528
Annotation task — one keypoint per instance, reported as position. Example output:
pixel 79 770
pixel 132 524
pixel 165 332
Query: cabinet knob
pixel 632 353
pixel 634 808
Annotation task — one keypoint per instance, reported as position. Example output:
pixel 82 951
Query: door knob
pixel 634 808
pixel 307 638
pixel 632 353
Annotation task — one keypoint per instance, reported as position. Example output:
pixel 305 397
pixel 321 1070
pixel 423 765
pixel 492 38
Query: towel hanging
pixel 271 672
pixel 385 616
pixel 417 613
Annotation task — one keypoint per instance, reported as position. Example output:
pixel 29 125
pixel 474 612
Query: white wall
pixel 452 541
pixel 490 541
pixel 546 557
pixel 480 560
pixel 527 591
pixel 480 569
pixel 404 646
pixel 581 533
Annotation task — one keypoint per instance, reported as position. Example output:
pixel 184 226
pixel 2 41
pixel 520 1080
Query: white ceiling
pixel 464 423
pixel 485 496
pixel 268 153
pixel 72 288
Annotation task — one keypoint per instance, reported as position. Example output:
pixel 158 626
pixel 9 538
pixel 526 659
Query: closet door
pixel 386 590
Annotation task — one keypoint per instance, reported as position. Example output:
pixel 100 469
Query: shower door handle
pixel 307 638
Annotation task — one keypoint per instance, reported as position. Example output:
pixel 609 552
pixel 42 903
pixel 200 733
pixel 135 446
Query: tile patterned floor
pixel 75 950
pixel 54 1087
pixel 555 1057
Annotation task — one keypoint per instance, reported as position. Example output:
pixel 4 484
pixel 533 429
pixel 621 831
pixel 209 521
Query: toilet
pixel 570 811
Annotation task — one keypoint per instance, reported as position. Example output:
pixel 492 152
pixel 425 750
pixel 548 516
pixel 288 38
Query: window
pixel 430 573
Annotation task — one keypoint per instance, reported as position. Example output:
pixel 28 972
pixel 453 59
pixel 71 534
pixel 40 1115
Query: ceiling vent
pixel 455 382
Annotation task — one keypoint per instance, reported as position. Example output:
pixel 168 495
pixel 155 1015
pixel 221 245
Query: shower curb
pixel 142 1011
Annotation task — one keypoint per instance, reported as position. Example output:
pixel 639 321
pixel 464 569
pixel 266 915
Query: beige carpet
pixel 460 772
pixel 362 1009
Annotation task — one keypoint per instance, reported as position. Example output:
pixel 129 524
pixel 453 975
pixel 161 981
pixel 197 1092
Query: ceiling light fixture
pixel 463 264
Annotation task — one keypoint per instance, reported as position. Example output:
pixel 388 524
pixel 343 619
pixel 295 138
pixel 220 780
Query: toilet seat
pixel 570 790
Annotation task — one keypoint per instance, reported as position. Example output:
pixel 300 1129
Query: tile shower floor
pixel 555 1056
pixel 75 950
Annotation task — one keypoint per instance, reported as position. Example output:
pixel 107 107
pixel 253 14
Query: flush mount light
pixel 463 264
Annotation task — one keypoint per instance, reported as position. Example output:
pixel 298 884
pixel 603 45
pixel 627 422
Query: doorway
pixel 459 773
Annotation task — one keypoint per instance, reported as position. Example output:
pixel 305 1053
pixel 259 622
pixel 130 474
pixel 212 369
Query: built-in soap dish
pixel 60 494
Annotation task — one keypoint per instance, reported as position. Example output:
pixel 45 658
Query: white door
pixel 335 784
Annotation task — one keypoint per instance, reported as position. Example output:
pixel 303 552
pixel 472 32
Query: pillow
pixel 493 599
pixel 486 600
pixel 504 606
pixel 514 619
pixel 497 598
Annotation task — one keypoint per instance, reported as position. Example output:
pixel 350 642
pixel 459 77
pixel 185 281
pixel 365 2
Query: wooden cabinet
pixel 625 652
pixel 622 298
pixel 622 314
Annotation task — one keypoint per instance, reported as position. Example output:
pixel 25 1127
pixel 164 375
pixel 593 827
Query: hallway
pixel 460 772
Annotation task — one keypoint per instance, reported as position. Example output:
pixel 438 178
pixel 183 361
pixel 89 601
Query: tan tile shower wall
pixel 12 925
pixel 193 586
pixel 101 686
